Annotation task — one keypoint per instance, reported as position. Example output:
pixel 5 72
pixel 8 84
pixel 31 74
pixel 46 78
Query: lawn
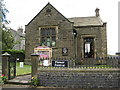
pixel 24 70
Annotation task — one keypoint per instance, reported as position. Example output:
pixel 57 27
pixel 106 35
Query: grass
pixel 99 66
pixel 86 67
pixel 25 70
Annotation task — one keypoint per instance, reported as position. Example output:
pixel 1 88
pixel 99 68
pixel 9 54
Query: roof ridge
pixel 86 21
pixel 84 17
pixel 100 20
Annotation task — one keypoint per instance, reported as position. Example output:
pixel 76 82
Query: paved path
pixel 21 79
pixel 14 86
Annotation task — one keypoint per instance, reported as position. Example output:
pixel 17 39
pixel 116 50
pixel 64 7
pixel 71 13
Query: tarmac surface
pixel 27 87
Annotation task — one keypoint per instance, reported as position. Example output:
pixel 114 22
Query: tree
pixel 7 41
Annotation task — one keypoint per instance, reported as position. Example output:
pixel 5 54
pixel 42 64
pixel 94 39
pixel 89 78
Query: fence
pixel 109 62
pixel 84 73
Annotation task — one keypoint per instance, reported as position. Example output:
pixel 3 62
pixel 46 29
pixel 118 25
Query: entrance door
pixel 88 47
pixel 12 68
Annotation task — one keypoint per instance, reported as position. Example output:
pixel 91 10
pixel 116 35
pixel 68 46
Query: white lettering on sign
pixel 60 63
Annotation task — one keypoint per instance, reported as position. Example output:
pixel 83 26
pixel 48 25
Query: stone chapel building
pixel 78 37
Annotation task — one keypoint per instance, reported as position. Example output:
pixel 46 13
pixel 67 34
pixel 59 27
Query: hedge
pixel 10 51
pixel 16 54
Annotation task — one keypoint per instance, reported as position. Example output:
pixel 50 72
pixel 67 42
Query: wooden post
pixel 5 68
pixel 34 63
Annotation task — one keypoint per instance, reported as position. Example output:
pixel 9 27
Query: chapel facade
pixel 77 37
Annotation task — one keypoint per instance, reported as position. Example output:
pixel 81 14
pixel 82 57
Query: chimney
pixel 97 12
pixel 20 30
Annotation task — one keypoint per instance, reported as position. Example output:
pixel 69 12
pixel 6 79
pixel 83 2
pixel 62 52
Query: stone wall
pixel 50 17
pixel 100 40
pixel 80 79
pixel 64 37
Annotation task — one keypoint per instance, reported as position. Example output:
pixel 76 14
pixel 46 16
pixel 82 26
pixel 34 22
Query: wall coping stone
pixel 77 69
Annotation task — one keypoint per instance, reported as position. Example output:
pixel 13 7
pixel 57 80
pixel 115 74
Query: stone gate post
pixel 5 62
pixel 34 64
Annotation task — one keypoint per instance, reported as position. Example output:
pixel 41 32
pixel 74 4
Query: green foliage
pixel 16 54
pixel 3 11
pixel 11 51
pixel 79 62
pixel 34 81
pixel 0 45
pixel 4 79
pixel 7 40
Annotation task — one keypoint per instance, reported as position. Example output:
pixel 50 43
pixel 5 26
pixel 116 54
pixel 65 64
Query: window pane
pixel 48 44
pixel 53 41
pixel 43 43
pixel 47 32
pixel 48 39
pixel 42 32
pixel 53 31
pixel 88 39
pixel 87 47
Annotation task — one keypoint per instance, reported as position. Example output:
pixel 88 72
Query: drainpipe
pixel 75 41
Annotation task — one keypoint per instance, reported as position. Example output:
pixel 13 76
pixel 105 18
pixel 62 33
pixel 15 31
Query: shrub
pixel 4 79
pixel 34 81
pixel 16 54
pixel 11 51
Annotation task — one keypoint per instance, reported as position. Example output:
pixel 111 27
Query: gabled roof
pixel 86 21
pixel 43 9
pixel 17 33
pixel 78 21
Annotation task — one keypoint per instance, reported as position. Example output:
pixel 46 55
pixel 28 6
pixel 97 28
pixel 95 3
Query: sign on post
pixel 45 63
pixel 44 53
pixel 21 64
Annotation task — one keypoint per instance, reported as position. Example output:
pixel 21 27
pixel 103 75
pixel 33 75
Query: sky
pixel 22 11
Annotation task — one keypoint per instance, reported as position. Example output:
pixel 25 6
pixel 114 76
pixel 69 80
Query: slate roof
pixel 17 33
pixel 86 21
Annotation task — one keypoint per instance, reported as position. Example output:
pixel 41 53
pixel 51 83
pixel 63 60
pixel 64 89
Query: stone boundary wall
pixel 80 79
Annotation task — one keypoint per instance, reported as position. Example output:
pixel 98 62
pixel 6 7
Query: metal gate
pixel 12 68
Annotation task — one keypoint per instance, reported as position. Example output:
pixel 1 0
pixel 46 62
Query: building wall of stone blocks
pixel 50 17
pixel 64 36
pixel 100 40
pixel 79 79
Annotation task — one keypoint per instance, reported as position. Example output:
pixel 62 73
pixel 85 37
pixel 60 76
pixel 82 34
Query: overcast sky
pixel 22 11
